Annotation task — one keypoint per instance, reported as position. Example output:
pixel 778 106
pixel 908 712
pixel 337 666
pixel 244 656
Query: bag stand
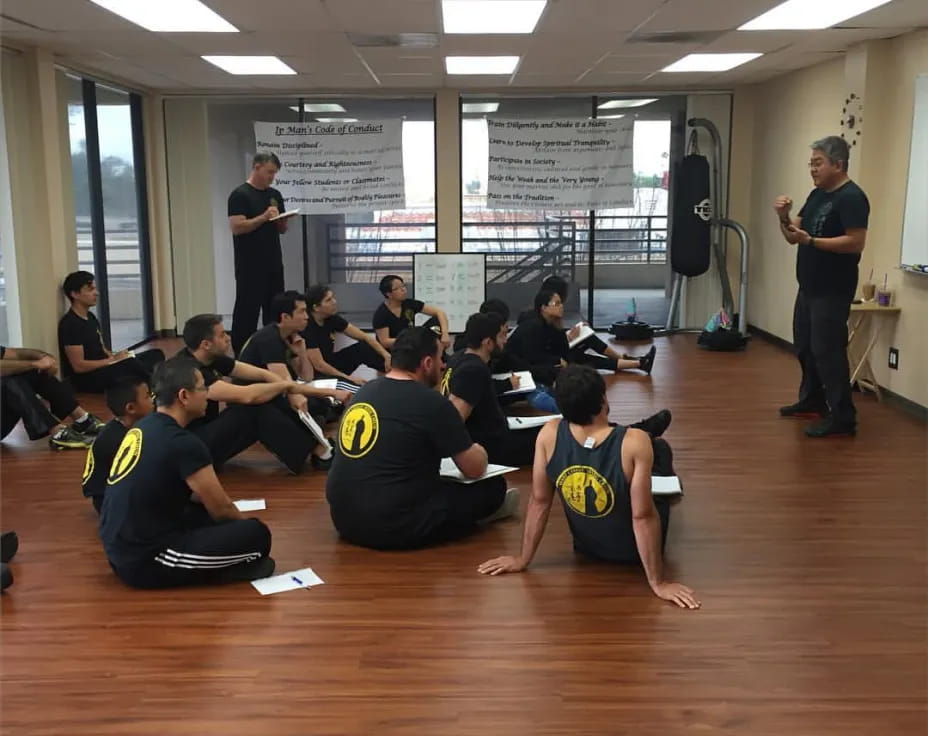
pixel 717 222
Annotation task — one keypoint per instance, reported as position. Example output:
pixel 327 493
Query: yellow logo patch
pixel 127 456
pixel 445 386
pixel 585 491
pixel 88 466
pixel 359 430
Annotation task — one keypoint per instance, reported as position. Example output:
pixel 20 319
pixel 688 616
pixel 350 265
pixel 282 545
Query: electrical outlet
pixel 894 358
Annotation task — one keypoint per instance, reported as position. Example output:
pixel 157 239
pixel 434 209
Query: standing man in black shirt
pixel 259 266
pixel 384 489
pixel 830 232
pixel 153 536
pixel 85 360
pixel 398 312
pixel 324 324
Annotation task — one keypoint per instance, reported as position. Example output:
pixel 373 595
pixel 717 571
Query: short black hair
pixel 171 376
pixel 386 283
pixel 75 282
pixel 413 344
pixel 557 284
pixel 543 297
pixel 285 304
pixel 481 326
pixel 200 327
pixel 579 393
pixel 496 305
pixel 316 294
pixel 122 393
pixel 266 158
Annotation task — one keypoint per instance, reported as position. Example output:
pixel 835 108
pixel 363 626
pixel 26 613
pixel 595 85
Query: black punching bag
pixel 692 210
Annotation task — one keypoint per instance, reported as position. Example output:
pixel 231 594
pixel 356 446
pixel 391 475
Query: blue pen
pixel 296 580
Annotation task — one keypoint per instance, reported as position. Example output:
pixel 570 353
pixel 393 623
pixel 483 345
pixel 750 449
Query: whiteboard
pixel 455 282
pixel 915 225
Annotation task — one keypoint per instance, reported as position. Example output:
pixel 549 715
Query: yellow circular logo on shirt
pixel 88 466
pixel 359 430
pixel 127 456
pixel 585 491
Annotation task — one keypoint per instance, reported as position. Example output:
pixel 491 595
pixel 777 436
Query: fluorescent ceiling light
pixel 480 107
pixel 318 107
pixel 612 104
pixel 254 65
pixel 802 14
pixel 169 16
pixel 336 120
pixel 709 62
pixel 609 117
pixel 491 16
pixel 481 64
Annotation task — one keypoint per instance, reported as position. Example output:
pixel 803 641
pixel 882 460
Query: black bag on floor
pixel 689 238
pixel 632 330
pixel 722 340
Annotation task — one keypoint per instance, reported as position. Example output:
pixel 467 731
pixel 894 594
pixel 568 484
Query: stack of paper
pixel 284 215
pixel 304 578
pixel 314 428
pixel 250 504
pixel 529 422
pixel 526 382
pixel 450 471
pixel 585 332
pixel 665 485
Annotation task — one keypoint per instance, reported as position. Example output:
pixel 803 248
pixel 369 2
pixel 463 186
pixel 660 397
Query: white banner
pixel 573 164
pixel 337 167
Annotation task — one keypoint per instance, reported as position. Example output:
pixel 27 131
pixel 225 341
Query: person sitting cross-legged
pixel 398 312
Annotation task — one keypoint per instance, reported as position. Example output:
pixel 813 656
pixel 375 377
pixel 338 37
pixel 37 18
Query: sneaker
pixel 9 544
pixel 69 438
pixel 803 409
pixel 319 464
pixel 828 427
pixel 656 424
pixel 646 361
pixel 89 425
pixel 506 509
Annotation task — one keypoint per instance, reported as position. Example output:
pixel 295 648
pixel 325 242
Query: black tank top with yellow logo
pixel 595 493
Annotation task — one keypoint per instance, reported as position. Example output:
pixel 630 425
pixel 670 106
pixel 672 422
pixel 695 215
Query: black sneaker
pixel 319 464
pixel 656 424
pixel 89 425
pixel 646 361
pixel 828 427
pixel 68 438
pixel 803 409
pixel 9 544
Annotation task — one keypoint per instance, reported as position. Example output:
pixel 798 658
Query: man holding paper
pixel 602 473
pixel 254 218
pixel 384 489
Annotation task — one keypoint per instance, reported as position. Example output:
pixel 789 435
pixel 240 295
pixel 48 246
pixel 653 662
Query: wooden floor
pixel 809 557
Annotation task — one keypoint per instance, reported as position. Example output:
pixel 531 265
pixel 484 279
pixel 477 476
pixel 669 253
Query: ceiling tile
pixel 273 15
pixel 402 61
pixel 910 14
pixel 705 15
pixel 578 16
pixel 386 16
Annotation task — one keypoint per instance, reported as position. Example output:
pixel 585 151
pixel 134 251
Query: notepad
pixel 450 471
pixel 314 427
pixel 304 578
pixel 284 215
pixel 250 504
pixel 665 485
pixel 529 422
pixel 585 332
pixel 526 382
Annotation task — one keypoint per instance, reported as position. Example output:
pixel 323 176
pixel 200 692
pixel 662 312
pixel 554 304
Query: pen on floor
pixel 296 580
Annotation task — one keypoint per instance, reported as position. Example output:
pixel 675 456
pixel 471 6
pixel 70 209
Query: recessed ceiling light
pixel 252 65
pixel 169 16
pixel 802 14
pixel 479 107
pixel 709 62
pixel 609 117
pixel 613 104
pixel 337 120
pixel 481 64
pixel 491 16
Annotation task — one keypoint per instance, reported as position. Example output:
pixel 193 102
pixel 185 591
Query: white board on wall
pixel 915 224
pixel 455 282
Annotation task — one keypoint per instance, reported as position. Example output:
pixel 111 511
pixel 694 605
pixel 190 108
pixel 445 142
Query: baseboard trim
pixel 907 406
pixel 165 333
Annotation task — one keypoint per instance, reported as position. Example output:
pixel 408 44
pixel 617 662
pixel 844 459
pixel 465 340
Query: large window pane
pixel 80 180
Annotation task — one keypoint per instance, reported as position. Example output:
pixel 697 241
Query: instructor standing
pixel 830 233
pixel 259 267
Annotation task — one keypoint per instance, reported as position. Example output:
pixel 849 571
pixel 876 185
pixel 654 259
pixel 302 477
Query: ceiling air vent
pixel 395 40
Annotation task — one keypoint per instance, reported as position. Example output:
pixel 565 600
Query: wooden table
pixel 862 319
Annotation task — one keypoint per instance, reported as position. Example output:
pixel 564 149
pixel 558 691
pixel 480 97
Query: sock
pixel 83 421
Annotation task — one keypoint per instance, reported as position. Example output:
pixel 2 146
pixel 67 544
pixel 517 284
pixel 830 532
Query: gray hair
pixel 835 149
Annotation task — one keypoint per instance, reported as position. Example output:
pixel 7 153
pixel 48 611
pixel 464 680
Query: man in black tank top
pixel 602 473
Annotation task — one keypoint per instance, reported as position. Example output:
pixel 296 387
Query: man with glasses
pixel 398 312
pixel 830 233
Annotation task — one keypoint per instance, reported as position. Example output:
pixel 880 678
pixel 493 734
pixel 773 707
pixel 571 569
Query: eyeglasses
pixel 816 164
pixel 555 304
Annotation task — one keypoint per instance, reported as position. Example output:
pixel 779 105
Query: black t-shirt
pixel 469 378
pixel 215 371
pixel 266 346
pixel 100 457
pixel 541 346
pixel 391 440
pixel 323 336
pixel 383 317
pixel 73 330
pixel 146 491
pixel 259 250
pixel 829 215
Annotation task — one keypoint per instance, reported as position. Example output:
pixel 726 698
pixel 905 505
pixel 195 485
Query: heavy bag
pixel 629 330
pixel 692 210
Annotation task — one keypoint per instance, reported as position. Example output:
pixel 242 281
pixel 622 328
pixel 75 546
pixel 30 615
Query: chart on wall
pixel 560 164
pixel 455 282
pixel 915 224
pixel 330 168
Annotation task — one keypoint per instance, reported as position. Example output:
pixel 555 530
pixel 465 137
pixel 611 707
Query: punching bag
pixel 692 210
